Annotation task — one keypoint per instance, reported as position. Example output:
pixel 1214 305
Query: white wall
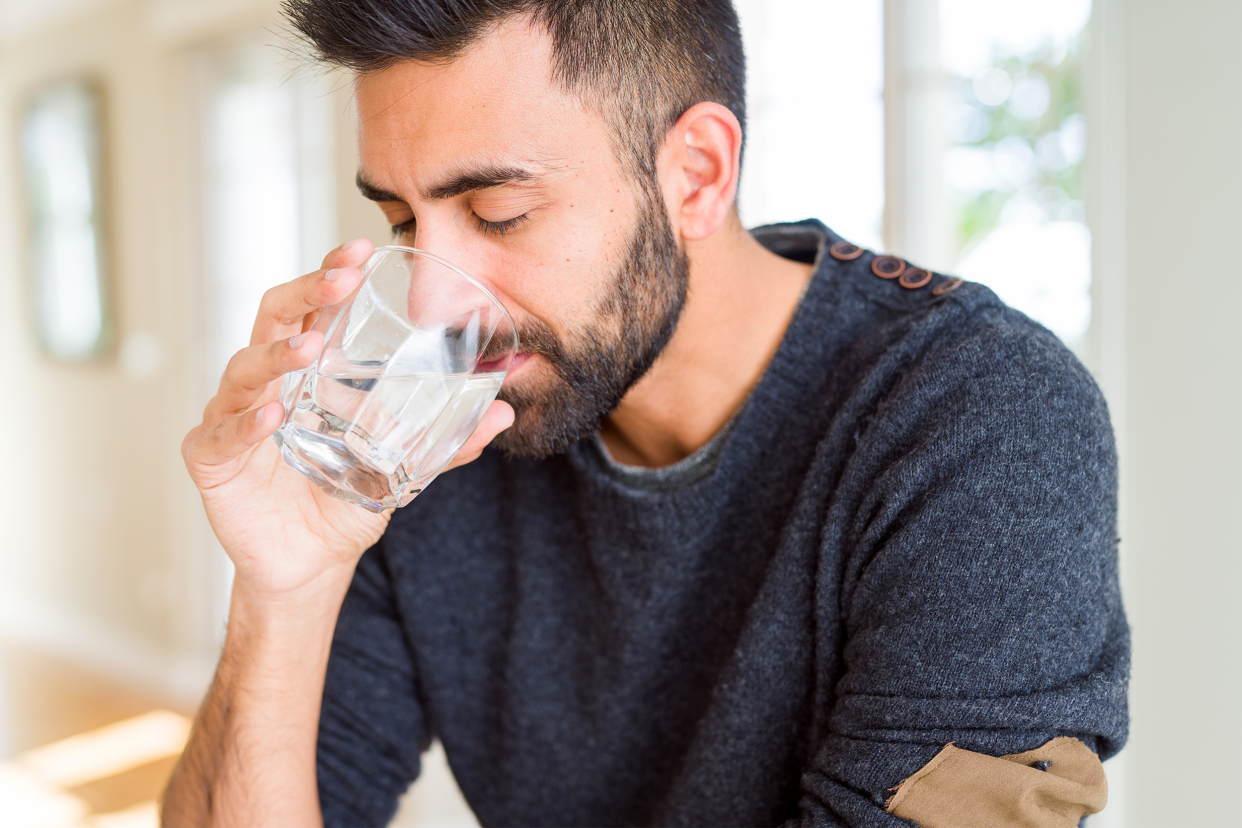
pixel 91 502
pixel 1182 395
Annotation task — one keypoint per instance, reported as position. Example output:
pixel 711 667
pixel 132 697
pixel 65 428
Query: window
pixel 269 170
pixel 60 142
pixel 1013 170
pixel 268 173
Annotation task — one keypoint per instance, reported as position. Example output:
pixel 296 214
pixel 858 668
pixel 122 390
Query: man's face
pixel 485 162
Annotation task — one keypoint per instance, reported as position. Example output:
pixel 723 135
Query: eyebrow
pixel 476 179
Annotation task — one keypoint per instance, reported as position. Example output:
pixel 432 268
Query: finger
pixel 288 309
pixel 285 308
pixel 349 254
pixel 499 416
pixel 212 446
pixel 252 372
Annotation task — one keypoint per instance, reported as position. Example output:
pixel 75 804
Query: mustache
pixel 534 337
pixel 539 339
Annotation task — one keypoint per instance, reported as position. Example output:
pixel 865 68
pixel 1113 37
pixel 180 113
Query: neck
pixel 741 298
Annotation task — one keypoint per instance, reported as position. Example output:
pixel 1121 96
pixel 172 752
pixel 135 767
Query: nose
pixel 464 251
pixel 484 263
pixel 449 244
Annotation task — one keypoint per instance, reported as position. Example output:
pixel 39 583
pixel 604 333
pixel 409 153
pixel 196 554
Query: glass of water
pixel 411 361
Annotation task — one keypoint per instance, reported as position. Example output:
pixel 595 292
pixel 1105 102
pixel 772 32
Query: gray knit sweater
pixel 905 538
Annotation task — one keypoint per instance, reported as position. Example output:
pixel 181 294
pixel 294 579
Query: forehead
pixel 496 103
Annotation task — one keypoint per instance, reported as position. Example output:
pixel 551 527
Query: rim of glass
pixel 481 287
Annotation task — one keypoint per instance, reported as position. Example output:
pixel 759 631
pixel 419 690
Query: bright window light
pixel 33 787
pixel 109 750
pixel 814 99
pixel 26 801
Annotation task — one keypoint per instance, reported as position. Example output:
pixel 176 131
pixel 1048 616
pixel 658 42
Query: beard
pixel 596 365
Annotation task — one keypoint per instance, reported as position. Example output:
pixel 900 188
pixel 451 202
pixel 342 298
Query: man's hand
pixel 251 757
pixel 281 530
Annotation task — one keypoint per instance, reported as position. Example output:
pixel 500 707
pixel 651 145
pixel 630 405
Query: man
pixel 773 529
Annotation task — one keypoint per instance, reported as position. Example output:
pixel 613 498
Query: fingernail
pixel 296 342
pixel 348 246
pixel 334 274
pixel 258 415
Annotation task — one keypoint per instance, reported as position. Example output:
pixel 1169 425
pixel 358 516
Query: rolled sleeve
pixel 980 602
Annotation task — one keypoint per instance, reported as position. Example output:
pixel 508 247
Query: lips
pixel 497 365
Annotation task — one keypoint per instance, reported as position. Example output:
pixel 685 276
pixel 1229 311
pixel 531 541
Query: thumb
pixel 499 416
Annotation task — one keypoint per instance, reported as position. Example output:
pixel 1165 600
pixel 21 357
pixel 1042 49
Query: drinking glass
pixel 411 361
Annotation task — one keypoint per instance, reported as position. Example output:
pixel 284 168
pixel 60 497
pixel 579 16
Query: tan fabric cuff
pixel 962 789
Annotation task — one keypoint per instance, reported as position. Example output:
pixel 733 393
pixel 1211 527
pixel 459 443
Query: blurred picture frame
pixel 61 145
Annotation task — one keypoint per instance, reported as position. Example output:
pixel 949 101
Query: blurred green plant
pixel 1019 140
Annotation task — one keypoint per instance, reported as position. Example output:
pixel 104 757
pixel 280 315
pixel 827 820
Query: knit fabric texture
pixel 906 538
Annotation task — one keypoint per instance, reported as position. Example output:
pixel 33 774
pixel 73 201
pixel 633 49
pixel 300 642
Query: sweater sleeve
pixel 979 597
pixel 372 728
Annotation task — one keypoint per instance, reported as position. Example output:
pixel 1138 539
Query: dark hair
pixel 640 63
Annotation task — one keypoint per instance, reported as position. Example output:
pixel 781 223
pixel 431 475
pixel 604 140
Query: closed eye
pixel 500 228
pixel 404 228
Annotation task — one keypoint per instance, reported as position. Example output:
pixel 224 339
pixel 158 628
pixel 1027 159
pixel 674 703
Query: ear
pixel 699 167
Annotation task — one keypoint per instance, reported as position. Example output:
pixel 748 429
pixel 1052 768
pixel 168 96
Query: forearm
pixel 251 757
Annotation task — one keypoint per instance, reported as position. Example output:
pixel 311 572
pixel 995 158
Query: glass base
pixel 331 466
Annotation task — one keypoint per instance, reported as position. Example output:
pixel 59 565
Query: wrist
pixel 323 592
pixel 307 612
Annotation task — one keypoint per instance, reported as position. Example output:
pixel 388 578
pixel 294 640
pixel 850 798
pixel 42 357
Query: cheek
pixel 559 269
pixel 543 285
